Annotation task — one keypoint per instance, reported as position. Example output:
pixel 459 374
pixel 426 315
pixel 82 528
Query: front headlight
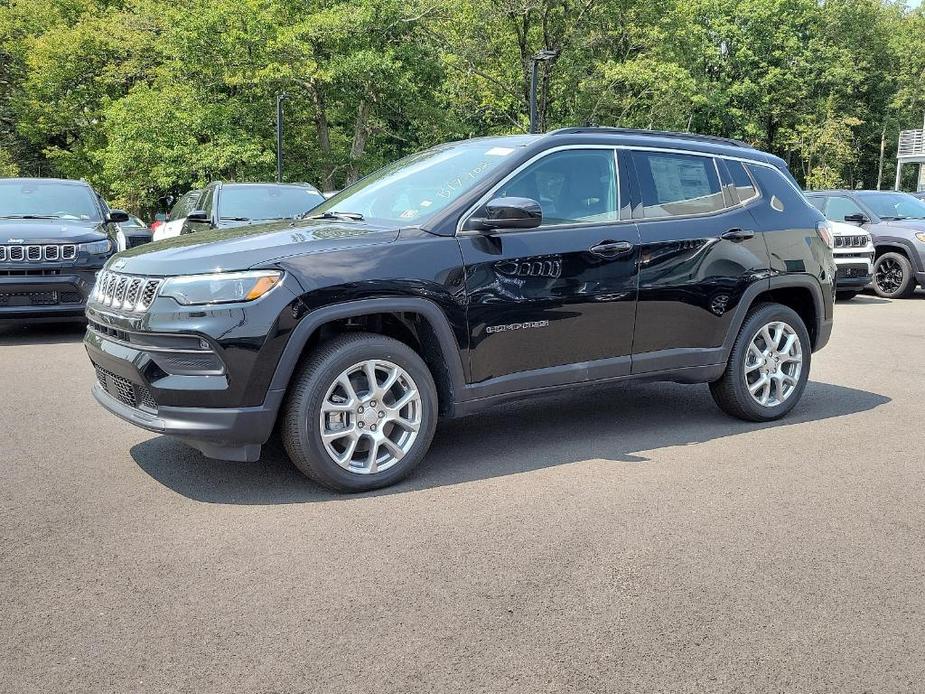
pixel 221 287
pixel 920 236
pixel 96 247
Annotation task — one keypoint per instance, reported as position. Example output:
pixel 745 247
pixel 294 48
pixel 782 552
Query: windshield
pixel 894 205
pixel 38 199
pixel 418 186
pixel 260 202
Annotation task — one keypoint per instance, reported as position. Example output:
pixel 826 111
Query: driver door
pixel 555 304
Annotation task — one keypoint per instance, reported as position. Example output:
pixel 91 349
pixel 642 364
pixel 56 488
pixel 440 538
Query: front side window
pixel 263 202
pixel 892 206
pixel 839 207
pixel 677 184
pixel 572 186
pixel 184 205
pixel 43 200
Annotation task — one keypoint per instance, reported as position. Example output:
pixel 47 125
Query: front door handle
pixel 739 235
pixel 611 249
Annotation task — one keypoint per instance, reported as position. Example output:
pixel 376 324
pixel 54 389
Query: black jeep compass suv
pixel 464 275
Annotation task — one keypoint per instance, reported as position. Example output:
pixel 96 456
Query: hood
pixel 845 229
pixel 240 248
pixel 905 224
pixel 49 231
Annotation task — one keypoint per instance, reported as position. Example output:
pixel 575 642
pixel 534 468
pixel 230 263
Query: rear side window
pixel 742 183
pixel 677 184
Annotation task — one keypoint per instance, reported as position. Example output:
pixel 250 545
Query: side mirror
pixel 117 217
pixel 508 213
pixel 198 216
pixel 856 218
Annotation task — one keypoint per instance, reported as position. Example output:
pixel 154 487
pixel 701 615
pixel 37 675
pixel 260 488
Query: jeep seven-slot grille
pixel 128 393
pixel 126 292
pixel 858 241
pixel 38 253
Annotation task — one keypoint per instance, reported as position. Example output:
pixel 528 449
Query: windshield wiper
pixel 235 219
pixel 30 216
pixel 894 219
pixel 334 214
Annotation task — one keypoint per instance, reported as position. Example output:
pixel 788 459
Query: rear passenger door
pixel 699 254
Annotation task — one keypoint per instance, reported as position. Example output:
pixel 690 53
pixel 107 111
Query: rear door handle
pixel 739 235
pixel 610 249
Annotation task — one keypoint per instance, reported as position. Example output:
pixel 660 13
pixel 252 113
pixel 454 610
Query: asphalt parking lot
pixel 615 539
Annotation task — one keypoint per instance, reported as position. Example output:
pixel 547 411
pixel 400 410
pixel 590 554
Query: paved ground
pixel 627 539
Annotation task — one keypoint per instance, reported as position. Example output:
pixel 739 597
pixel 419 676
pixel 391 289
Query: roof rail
pixel 655 133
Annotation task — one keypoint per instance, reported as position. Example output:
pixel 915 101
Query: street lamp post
pixel 279 136
pixel 543 56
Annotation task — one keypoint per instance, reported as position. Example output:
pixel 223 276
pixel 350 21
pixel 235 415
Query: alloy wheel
pixel 370 416
pixel 773 364
pixel 889 276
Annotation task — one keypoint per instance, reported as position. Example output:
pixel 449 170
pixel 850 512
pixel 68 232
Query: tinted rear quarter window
pixel 677 184
pixel 743 185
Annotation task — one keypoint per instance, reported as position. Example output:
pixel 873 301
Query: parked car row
pixel 55 235
pixel 886 227
pixel 224 205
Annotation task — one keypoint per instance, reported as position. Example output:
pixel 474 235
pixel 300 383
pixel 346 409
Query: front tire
pixel 360 413
pixel 893 277
pixel 768 367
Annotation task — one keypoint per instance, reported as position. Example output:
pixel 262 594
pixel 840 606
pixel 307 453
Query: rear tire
pixel 768 367
pixel 893 276
pixel 360 413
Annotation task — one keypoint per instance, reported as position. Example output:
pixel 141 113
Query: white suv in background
pixel 854 257
pixel 181 208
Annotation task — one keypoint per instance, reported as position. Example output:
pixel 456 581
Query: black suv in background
pixel 465 275
pixel 55 236
pixel 224 205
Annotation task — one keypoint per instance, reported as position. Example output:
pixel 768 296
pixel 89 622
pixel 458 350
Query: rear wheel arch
pixel 801 298
pixel 801 293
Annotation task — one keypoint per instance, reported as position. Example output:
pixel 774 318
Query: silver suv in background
pixel 896 223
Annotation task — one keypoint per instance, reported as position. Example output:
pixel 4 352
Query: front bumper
pixel 24 297
pixel 223 433
pixel 200 374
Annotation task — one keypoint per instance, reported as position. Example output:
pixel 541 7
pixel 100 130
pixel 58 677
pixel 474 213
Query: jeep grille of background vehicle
pixel 38 254
pixel 131 394
pixel 850 241
pixel 126 292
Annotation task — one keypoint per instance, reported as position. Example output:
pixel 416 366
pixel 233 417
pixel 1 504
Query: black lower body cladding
pixel 51 294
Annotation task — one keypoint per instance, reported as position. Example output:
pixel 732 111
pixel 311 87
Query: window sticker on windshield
pixel 408 214
pixel 426 203
pixel 499 151
pixel 457 183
